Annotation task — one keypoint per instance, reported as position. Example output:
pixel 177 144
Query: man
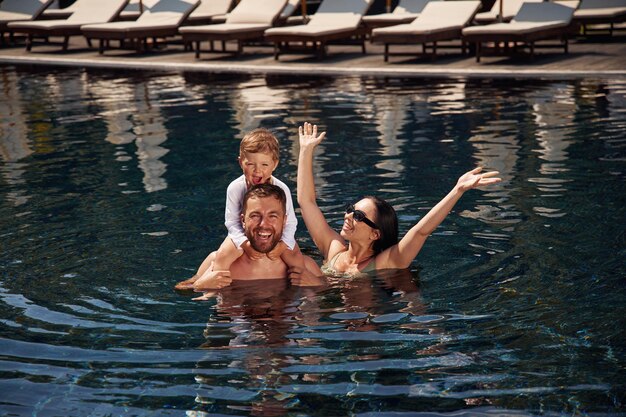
pixel 263 218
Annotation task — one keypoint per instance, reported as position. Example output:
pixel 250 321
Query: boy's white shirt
pixel 234 203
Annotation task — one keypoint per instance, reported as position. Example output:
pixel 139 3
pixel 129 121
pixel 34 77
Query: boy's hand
pixel 308 135
pixel 277 251
pixel 249 250
pixel 474 178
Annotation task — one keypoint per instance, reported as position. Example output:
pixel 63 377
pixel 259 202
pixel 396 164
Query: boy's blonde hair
pixel 259 140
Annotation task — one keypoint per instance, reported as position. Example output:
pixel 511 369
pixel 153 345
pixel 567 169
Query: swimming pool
pixel 112 189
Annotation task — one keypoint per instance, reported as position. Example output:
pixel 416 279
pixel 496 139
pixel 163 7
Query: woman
pixel 370 226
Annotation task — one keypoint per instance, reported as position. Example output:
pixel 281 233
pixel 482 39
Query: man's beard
pixel 260 245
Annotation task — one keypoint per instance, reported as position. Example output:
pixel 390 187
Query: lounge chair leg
pixel 29 43
pixel 223 46
pixel 65 42
pixel 386 52
pixel 239 48
pixel 89 42
pixel 276 53
pixel 212 45
pixel 198 49
pixel 363 45
pixel 101 46
pixel 532 50
pixel 478 50
pixel 434 50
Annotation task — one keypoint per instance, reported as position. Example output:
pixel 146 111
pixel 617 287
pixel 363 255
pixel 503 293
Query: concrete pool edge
pixel 313 69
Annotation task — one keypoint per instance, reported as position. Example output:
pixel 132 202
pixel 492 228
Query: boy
pixel 258 158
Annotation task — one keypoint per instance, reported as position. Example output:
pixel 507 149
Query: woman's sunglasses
pixel 359 216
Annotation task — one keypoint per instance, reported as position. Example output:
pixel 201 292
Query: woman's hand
pixel 474 178
pixel 308 135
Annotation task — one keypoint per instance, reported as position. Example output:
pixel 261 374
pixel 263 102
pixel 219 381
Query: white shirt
pixel 234 204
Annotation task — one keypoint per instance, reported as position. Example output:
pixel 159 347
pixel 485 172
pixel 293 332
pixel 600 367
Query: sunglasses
pixel 359 216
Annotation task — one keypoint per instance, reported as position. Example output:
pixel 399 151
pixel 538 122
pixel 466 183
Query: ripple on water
pixel 112 187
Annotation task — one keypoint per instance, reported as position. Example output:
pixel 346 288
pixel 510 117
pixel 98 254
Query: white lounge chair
pixel 130 12
pixel 333 20
pixel 439 21
pixel 287 16
pixel 86 12
pixel 247 21
pixel 162 20
pixel 405 12
pixel 533 22
pixel 210 11
pixel 592 12
pixel 19 11
pixel 508 8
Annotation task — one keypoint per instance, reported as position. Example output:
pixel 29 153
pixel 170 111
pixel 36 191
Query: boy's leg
pixel 310 276
pixel 224 257
pixel 204 266
pixel 310 272
pixel 293 258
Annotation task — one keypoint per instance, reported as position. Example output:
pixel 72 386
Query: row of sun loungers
pixel 424 22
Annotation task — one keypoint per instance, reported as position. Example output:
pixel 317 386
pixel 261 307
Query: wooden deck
pixel 599 56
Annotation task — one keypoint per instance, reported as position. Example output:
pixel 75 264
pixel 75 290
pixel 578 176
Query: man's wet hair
pixel 264 191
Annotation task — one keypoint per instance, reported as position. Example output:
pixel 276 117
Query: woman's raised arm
pixel 402 254
pixel 322 234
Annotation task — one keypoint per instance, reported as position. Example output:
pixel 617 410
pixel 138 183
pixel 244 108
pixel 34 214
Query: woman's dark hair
pixel 387 222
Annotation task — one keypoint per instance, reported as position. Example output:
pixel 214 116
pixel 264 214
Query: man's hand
pixel 302 277
pixel 277 251
pixel 213 280
pixel 249 250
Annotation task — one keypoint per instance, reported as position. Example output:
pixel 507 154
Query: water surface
pixel 112 189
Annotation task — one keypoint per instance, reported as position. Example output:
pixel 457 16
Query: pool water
pixel 112 189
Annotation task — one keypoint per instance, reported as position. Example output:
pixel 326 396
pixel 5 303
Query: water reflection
pixel 554 109
pixel 132 112
pixel 285 338
pixel 14 142
pixel 255 102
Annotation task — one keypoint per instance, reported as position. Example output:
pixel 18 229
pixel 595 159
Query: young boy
pixel 258 158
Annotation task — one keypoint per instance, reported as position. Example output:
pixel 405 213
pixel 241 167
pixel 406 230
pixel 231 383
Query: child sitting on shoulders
pixel 258 158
